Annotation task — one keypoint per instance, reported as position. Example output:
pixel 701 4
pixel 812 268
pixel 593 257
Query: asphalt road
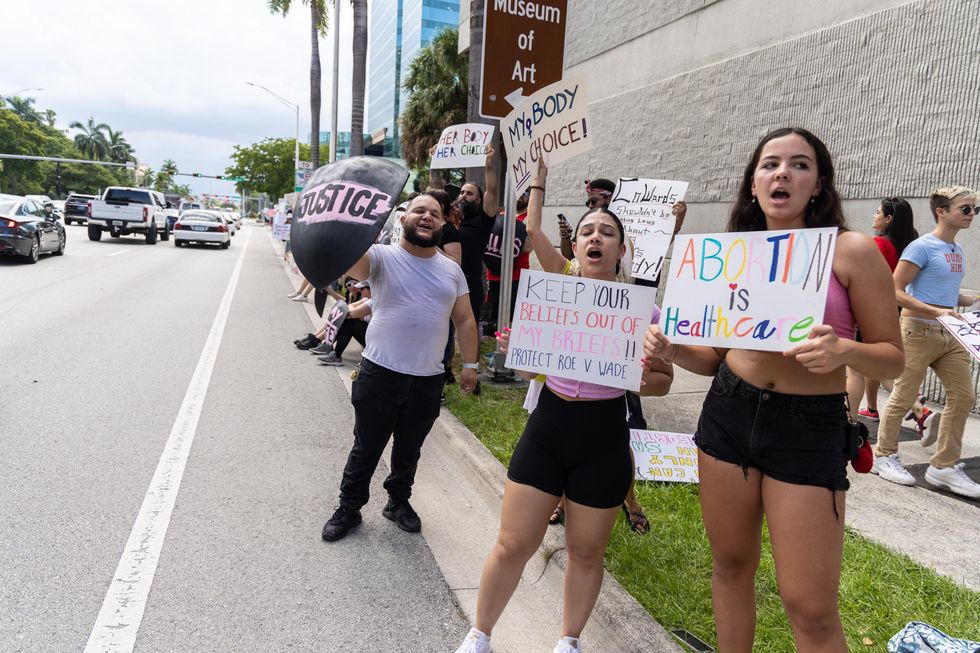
pixel 98 351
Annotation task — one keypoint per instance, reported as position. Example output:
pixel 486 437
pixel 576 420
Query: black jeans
pixel 350 329
pixel 388 403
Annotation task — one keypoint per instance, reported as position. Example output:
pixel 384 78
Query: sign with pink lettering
pixel 580 329
pixel 966 331
pixel 340 214
pixel 762 290
pixel 462 146
pixel 662 456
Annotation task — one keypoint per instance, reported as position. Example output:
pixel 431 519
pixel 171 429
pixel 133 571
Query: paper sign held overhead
pixel 462 146
pixel 580 328
pixel 644 208
pixel 762 290
pixel 554 123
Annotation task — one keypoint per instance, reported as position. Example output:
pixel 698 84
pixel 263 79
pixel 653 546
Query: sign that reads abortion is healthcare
pixel 661 456
pixel 462 146
pixel 580 329
pixel 644 207
pixel 762 290
pixel 553 123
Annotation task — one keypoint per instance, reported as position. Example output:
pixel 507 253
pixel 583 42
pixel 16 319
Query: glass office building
pixel 397 30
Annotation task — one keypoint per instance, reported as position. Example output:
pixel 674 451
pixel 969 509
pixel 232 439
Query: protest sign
pixel 966 331
pixel 661 456
pixel 579 328
pixel 644 208
pixel 761 290
pixel 462 146
pixel 335 318
pixel 340 214
pixel 280 228
pixel 553 123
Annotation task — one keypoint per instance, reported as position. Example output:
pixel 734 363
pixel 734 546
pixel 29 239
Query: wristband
pixel 540 188
pixel 471 366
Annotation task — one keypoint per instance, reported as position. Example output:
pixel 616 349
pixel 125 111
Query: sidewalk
pixel 458 492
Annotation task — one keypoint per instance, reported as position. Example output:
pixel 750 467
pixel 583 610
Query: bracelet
pixel 471 366
pixel 540 188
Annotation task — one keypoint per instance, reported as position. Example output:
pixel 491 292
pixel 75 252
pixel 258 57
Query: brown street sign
pixel 523 51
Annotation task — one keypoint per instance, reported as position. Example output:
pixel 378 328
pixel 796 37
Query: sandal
pixel 557 517
pixel 637 520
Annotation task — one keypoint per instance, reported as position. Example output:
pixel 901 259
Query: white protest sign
pixel 580 329
pixel 280 228
pixel 662 456
pixel 462 146
pixel 644 208
pixel 553 123
pixel 966 331
pixel 760 290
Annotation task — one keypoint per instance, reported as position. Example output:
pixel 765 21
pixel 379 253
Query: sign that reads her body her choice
pixel 580 329
pixel 966 331
pixel 553 123
pixel 644 208
pixel 762 290
pixel 661 456
pixel 462 146
pixel 340 214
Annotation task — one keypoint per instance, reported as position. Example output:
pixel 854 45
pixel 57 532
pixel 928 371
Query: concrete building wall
pixel 683 89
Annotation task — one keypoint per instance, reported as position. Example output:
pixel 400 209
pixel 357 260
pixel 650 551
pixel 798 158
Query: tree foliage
pixel 267 166
pixel 92 139
pixel 437 82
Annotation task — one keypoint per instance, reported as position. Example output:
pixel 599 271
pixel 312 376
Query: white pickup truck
pixel 123 211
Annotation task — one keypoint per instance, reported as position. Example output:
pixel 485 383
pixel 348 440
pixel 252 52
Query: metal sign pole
pixel 506 269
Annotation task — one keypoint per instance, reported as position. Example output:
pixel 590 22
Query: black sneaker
pixel 342 523
pixel 401 513
pixel 308 342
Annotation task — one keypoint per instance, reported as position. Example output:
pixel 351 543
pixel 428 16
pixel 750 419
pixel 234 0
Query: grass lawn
pixel 669 570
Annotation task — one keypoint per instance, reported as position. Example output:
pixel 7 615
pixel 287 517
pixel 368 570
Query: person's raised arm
pixel 550 259
pixel 434 180
pixel 490 195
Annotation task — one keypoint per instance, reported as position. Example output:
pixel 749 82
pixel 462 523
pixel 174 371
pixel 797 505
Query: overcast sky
pixel 171 73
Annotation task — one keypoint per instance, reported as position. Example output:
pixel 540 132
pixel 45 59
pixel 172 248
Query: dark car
pixel 76 208
pixel 27 229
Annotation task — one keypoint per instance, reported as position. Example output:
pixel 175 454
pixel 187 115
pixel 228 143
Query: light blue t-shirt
pixel 941 270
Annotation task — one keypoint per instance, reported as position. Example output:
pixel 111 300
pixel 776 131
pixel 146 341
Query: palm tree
pixel 437 83
pixel 119 150
pixel 148 178
pixel 92 139
pixel 24 108
pixel 318 26
pixel 357 83
pixel 49 117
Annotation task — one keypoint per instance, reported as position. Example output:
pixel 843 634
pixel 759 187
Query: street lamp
pixel 23 90
pixel 294 107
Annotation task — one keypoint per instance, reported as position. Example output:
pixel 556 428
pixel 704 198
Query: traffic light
pixel 218 177
pixel 196 174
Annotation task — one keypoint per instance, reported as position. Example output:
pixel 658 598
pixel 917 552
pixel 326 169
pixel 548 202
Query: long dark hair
pixel 901 230
pixel 824 211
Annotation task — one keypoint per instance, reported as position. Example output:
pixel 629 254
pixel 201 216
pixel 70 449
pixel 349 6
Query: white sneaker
pixel 475 642
pixel 568 645
pixel 300 298
pixel 292 295
pixel 930 428
pixel 890 468
pixel 953 479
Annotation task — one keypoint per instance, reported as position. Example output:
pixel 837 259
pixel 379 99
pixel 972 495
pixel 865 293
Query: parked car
pixel 123 211
pixel 28 230
pixel 202 227
pixel 76 208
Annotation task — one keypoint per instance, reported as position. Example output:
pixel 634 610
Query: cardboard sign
pixel 463 146
pixel 340 214
pixel 644 207
pixel 335 318
pixel 966 331
pixel 661 456
pixel 580 329
pixel 553 123
pixel 280 228
pixel 762 290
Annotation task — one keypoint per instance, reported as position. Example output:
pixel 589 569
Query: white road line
pixel 122 611
pixel 122 251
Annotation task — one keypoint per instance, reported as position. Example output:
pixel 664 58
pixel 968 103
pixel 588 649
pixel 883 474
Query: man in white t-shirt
pixel 416 290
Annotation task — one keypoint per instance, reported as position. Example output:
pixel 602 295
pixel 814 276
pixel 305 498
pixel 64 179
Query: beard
pixel 470 209
pixel 411 234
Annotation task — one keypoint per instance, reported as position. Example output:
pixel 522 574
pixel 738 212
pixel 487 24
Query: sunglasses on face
pixel 970 210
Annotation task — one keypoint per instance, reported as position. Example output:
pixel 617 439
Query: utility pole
pixel 335 101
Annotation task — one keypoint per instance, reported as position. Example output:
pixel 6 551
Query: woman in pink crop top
pixel 772 437
pixel 575 443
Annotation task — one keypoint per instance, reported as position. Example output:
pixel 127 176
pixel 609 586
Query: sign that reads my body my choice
pixel 761 290
pixel 580 329
pixel 462 146
pixel 553 123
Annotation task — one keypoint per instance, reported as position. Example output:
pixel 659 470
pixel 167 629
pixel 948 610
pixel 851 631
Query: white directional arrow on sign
pixel 515 97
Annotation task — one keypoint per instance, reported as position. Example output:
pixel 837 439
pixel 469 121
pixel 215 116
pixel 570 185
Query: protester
pixel 927 284
pixel 396 392
pixel 353 327
pixel 449 245
pixel 494 252
pixel 479 210
pixel 576 443
pixel 301 295
pixel 892 224
pixel 773 430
